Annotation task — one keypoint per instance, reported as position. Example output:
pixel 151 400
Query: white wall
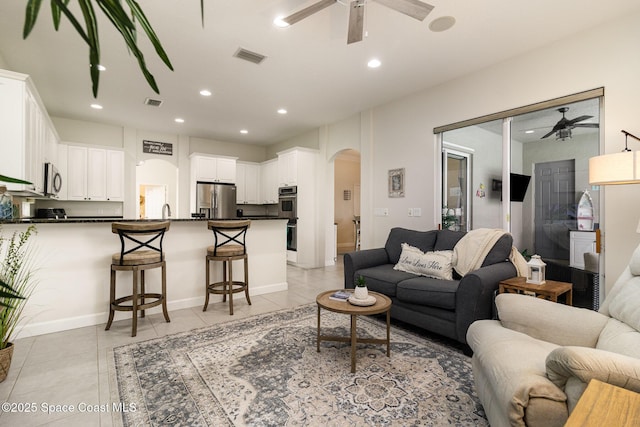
pixel 402 131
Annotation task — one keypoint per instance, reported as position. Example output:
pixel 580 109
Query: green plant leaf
pixel 153 38
pixel 94 43
pixel 62 5
pixel 31 15
pixel 202 12
pixel 56 14
pixel 4 178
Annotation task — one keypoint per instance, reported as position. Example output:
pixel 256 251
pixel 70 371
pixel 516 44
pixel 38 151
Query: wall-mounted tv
pixel 519 186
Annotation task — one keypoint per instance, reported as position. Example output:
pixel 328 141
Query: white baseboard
pixel 48 327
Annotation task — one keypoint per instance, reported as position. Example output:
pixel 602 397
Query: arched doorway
pixel 346 200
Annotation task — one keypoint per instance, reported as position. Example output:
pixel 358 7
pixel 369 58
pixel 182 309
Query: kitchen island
pixel 73 258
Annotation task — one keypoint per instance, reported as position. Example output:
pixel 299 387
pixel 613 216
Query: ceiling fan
pixel 413 8
pixel 562 129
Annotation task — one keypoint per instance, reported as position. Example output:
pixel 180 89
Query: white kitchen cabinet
pixel 269 181
pixel 288 168
pixel 26 132
pixel 115 176
pixel 94 174
pixel 580 242
pixel 247 183
pixel 214 169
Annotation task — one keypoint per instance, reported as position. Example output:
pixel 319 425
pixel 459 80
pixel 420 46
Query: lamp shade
pixel 617 168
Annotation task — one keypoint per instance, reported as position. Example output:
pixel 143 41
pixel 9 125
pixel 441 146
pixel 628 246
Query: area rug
pixel 266 371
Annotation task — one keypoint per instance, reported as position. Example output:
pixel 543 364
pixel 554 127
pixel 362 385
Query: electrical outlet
pixel 410 211
pixel 380 211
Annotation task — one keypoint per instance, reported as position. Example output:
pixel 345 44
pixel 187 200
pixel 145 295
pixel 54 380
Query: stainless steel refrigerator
pixel 216 200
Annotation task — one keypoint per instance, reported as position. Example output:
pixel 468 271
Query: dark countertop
pixel 93 220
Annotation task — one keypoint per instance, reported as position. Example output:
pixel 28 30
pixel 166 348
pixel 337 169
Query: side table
pixel 551 290
pixel 603 404
pixel 382 305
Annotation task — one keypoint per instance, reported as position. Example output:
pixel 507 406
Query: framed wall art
pixel 396 182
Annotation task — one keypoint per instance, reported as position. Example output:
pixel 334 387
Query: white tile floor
pixel 71 367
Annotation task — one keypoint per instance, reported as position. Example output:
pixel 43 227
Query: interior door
pixel 555 208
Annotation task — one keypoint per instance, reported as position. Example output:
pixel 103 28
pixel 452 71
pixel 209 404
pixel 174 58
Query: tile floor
pixel 71 367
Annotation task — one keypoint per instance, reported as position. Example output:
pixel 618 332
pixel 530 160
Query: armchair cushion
pixel 550 321
pixel 585 364
pixel 624 305
pixel 619 338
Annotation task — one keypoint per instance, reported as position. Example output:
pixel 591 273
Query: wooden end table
pixel 550 290
pixel 603 404
pixel 382 305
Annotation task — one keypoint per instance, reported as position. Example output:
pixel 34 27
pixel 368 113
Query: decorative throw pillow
pixel 436 264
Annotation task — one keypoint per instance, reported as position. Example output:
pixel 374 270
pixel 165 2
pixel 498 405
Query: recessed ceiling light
pixel 244 131
pixel 96 106
pixel 205 92
pixel 282 111
pixel 529 131
pixel 374 63
pixel 178 120
pixel 442 24
pixel 278 22
pixel 101 68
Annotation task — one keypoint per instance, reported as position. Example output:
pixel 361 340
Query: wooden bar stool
pixel 140 250
pixel 229 245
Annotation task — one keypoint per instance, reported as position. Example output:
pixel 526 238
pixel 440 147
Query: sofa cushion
pixel 428 291
pixel 383 278
pixel 423 240
pixel 436 264
pixel 447 240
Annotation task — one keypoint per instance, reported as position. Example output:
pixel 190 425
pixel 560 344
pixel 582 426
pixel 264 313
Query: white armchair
pixel 531 366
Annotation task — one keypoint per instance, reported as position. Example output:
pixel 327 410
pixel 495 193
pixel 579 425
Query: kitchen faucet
pixel 166 214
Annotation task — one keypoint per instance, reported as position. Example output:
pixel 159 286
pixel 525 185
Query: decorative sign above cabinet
pixel 155 147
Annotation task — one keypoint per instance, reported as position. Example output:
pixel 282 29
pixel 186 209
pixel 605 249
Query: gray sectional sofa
pixel 446 307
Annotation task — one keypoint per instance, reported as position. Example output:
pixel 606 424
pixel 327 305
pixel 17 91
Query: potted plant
pixel 16 285
pixel 361 291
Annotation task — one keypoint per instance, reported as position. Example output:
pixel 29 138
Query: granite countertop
pixel 86 220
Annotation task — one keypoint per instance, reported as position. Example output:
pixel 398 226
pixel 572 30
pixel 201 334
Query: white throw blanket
pixel 470 251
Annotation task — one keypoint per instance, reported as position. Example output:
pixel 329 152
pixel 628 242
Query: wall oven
pixel 287 208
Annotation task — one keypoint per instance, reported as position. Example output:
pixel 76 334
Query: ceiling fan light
pixel 563 134
pixel 280 23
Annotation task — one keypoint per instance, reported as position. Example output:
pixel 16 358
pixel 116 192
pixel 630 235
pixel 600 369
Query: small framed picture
pixel 396 182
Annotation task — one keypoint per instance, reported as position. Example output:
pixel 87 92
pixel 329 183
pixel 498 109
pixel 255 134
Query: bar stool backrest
pixel 140 236
pixel 231 234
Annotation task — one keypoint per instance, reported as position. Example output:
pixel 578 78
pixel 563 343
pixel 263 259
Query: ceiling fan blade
pixel 578 119
pixel 413 8
pixel 549 134
pixel 308 11
pixel 356 22
pixel 587 125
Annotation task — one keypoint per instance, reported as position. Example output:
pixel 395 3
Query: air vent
pixel 247 55
pixel 153 102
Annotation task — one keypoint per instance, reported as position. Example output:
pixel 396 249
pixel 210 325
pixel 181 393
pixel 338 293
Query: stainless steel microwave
pixel 52 180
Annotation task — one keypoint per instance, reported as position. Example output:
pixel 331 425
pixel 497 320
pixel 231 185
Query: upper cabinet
pixel 94 174
pixel 288 168
pixel 213 169
pixel 27 136
pixel 248 183
pixel 269 181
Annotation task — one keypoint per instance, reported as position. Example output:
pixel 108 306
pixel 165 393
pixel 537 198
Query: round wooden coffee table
pixel 382 305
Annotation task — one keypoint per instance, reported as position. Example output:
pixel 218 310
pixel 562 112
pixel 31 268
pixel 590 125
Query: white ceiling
pixel 309 70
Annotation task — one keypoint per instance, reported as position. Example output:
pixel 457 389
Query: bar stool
pixel 229 245
pixel 140 250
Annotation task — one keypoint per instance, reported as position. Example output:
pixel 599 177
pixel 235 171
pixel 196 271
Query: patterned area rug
pixel 265 371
